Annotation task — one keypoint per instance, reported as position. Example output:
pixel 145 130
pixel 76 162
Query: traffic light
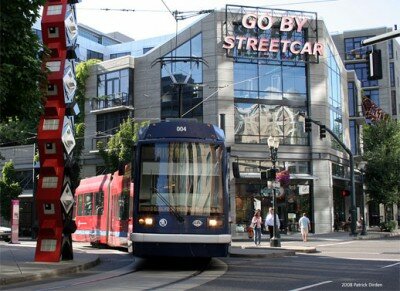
pixel 307 124
pixel 322 131
pixel 271 174
pixel 374 65
pixel 345 193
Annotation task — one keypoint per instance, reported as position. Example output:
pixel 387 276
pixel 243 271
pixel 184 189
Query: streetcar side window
pixel 79 204
pixel 99 202
pixel 88 203
pixel 124 205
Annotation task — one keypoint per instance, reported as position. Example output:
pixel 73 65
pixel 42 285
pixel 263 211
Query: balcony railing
pixel 110 101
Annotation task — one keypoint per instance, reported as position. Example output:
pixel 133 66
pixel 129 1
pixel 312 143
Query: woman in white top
pixel 269 222
pixel 256 224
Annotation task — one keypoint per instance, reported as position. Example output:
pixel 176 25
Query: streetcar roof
pixel 93 184
pixel 181 129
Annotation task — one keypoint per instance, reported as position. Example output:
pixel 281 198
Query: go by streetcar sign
pixel 273 34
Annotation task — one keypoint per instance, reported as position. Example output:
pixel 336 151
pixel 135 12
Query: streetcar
pixel 181 205
pixel 103 210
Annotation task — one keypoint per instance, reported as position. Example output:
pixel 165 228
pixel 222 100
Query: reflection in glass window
pixel 190 73
pixel 254 123
pixel 183 176
pixel 335 99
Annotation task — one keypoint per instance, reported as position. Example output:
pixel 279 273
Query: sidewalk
pixel 17 263
pixel 17 260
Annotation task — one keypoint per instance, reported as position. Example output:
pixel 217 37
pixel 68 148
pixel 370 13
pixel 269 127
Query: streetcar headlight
pixel 148 221
pixel 214 222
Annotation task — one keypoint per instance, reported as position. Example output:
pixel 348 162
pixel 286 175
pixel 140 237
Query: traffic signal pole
pixel 353 209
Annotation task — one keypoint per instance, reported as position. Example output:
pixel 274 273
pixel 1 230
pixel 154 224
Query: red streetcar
pixel 103 210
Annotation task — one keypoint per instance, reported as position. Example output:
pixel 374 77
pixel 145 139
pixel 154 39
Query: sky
pixel 151 17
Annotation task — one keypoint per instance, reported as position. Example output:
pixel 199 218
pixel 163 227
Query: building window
pixel 390 48
pixel 353 48
pixel 268 99
pixel 394 102
pixel 89 35
pixel 392 76
pixel 353 98
pixel 373 95
pixel 113 89
pixel 335 99
pixel 362 74
pixel 108 123
pixel 146 49
pixel 187 89
pixel 94 55
pixel 354 137
pixel 118 55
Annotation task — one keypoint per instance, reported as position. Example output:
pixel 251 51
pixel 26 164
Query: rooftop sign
pixel 284 35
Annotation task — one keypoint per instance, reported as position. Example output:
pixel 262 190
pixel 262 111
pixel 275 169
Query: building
pixel 253 91
pixel 384 92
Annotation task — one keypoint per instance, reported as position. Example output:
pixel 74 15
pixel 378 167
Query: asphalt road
pixel 353 264
pixel 368 264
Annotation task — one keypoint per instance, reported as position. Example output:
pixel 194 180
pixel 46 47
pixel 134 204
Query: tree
pixel 119 149
pixel 20 66
pixel 9 189
pixel 82 73
pixel 382 154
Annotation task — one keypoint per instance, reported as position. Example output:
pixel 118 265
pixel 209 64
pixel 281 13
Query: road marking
pixel 341 243
pixel 311 286
pixel 388 266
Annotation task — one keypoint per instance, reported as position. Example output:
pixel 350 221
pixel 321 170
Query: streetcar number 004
pixel 181 128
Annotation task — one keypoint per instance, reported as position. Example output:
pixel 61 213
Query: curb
pixel 50 274
pixel 377 236
pixel 252 252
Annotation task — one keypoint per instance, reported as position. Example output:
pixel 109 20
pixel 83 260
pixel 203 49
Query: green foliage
pixel 82 74
pixel 120 146
pixel 20 67
pixel 9 189
pixel 388 225
pixel 14 131
pixel 382 154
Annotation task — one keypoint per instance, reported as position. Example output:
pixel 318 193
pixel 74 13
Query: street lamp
pixel 361 167
pixel 273 144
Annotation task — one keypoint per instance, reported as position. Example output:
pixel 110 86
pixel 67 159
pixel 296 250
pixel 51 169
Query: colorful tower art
pixel 54 198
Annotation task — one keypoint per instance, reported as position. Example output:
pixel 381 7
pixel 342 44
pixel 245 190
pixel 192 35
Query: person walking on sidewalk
pixel 256 224
pixel 305 226
pixel 269 222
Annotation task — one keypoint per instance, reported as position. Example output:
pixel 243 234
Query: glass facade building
pixel 258 95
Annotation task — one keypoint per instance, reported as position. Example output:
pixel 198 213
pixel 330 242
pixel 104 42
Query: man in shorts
pixel 305 226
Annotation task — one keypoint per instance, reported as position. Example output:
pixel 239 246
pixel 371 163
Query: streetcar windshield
pixel 185 177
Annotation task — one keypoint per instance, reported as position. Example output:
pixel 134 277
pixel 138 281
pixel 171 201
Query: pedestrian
pixel 305 226
pixel 256 224
pixel 269 222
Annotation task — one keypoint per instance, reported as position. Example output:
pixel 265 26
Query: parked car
pixel 5 233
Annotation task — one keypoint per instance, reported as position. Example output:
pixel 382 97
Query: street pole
pixel 353 208
pixel 363 229
pixel 273 144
